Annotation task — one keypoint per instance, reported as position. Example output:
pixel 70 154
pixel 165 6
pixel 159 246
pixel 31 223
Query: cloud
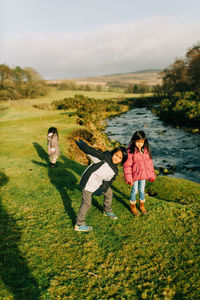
pixel 146 43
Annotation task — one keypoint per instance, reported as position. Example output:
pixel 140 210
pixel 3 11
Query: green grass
pixel 149 257
pixel 60 94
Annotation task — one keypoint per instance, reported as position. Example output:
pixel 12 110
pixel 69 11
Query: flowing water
pixel 172 148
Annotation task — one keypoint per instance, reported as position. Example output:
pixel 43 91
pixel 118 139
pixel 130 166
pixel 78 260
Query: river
pixel 171 147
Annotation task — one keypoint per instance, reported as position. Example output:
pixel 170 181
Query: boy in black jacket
pixel 97 179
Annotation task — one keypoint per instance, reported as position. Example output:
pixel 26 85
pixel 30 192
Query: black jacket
pixel 101 173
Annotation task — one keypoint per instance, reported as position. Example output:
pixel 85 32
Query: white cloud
pixel 146 43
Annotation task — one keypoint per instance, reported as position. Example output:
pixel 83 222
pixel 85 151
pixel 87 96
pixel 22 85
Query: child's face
pixel 139 144
pixel 117 157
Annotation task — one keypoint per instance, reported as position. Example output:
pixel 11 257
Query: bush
pixel 43 106
pixel 9 94
pixel 113 107
pixel 84 134
pixel 183 109
pixel 88 109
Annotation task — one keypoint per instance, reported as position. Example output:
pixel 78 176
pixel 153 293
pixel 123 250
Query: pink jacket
pixel 138 166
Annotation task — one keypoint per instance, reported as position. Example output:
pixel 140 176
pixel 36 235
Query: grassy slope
pixel 42 257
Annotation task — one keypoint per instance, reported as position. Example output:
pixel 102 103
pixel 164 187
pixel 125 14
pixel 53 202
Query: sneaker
pixel 110 214
pixel 82 228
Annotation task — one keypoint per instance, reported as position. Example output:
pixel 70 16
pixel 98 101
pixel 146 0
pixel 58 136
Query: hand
pixel 130 182
pixel 151 180
pixel 79 143
pixel 98 192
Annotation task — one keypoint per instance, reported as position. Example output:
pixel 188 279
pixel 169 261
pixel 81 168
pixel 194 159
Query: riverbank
pixel 91 115
pixel 183 114
pixel 181 110
pixel 175 152
pixel 94 132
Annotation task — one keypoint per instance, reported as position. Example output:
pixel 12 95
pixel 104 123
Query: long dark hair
pixel 124 153
pixel 139 135
pixel 53 130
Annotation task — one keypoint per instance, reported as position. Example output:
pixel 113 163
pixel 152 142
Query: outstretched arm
pixel 90 150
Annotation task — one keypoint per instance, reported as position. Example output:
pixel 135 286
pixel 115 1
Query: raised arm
pixel 90 150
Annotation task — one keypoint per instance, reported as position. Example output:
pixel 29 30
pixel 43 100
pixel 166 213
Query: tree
pixel 18 76
pixel 19 83
pixel 175 78
pixel 5 73
pixel 33 83
pixel 184 74
pixel 193 62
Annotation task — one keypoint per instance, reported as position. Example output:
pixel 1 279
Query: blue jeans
pixel 138 185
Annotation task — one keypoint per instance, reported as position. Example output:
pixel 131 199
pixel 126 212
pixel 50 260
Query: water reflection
pixel 170 146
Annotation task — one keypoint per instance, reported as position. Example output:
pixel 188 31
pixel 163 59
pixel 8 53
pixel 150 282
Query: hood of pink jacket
pixel 138 166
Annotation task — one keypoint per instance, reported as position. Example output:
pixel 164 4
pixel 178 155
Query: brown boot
pixel 134 210
pixel 142 208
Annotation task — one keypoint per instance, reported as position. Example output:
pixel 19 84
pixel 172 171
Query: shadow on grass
pixel 119 199
pixel 72 165
pixel 79 169
pixel 63 179
pixel 14 270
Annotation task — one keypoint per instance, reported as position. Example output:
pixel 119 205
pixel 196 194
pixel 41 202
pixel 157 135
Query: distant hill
pixel 149 77
pixel 148 71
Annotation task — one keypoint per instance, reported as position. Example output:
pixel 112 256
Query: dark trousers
pixel 86 203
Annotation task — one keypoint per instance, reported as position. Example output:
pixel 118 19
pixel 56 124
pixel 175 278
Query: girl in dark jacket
pixel 97 179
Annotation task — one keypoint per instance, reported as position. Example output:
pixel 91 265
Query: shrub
pixel 84 134
pixel 88 109
pixel 181 109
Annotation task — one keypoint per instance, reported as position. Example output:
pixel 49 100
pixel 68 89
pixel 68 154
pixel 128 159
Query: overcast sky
pixel 81 38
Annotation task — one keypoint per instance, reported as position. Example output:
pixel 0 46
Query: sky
pixel 67 39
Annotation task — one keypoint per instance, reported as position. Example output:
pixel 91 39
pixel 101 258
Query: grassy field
pixel 156 256
pixel 60 94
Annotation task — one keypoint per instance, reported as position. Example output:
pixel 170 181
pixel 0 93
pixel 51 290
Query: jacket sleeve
pixel 152 175
pixel 91 151
pixel 128 168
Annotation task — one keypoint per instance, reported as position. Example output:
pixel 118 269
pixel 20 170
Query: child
pixel 52 144
pixel 138 168
pixel 97 179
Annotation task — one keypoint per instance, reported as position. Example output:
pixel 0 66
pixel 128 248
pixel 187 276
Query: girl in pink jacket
pixel 138 168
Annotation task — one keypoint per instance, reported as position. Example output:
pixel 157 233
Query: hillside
pixel 149 77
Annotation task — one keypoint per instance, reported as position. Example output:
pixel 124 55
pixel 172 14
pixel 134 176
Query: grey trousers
pixel 86 203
